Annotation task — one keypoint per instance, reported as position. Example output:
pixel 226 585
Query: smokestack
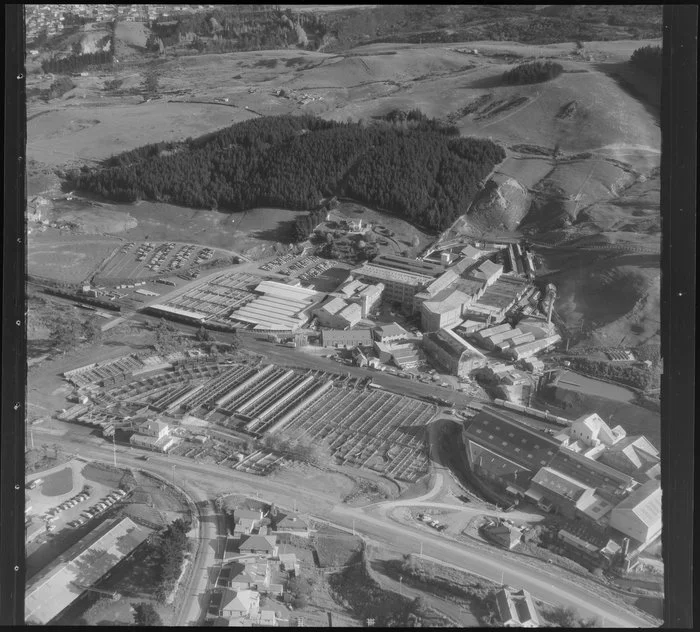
pixel 549 311
pixel 625 547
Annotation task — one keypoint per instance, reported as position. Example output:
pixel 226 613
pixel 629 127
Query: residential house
pixel 259 545
pixel 504 535
pixel 240 604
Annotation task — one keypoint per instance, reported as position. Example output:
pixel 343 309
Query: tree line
pixel 532 72
pixel 649 59
pixel 426 174
pixel 77 63
pixel 170 548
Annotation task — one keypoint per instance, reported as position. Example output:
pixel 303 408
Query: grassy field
pixel 58 483
pixel 336 550
pixel 61 261
pixel 604 179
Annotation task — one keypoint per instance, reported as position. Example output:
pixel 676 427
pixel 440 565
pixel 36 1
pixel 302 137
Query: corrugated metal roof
pixel 85 564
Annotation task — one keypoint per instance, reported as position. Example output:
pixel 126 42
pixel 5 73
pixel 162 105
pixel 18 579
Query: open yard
pixel 58 483
pixel 336 550
pixel 65 261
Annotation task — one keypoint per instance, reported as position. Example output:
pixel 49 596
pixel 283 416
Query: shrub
pixel 146 614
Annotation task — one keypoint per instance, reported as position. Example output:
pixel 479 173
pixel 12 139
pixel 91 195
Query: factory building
pixel 639 515
pixel 591 437
pixel 452 352
pixel 340 339
pixel 528 349
pixel 280 306
pixel 69 576
pixel 390 333
pixel 404 356
pixel 338 314
pixel 363 294
pixel 487 273
pixel 402 277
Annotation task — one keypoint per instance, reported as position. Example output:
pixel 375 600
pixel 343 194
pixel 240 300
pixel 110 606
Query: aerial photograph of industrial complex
pixel 343 315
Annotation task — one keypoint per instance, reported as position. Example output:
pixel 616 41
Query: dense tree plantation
pixel 532 72
pixel 77 63
pixel 649 59
pixel 425 174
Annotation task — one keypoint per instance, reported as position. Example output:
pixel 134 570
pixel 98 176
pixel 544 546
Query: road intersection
pixel 547 584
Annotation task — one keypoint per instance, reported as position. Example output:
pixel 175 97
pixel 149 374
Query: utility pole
pixel 401 585
pixel 173 473
pixel 114 449
pixel 421 548
pixel 353 526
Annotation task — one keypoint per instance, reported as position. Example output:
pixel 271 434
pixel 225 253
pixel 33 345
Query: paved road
pixel 550 586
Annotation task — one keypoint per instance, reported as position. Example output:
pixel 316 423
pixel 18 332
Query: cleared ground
pixel 69 262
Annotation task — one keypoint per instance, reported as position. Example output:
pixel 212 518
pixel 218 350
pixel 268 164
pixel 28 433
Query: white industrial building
pixel 639 515
pixel 280 306
pixel 338 314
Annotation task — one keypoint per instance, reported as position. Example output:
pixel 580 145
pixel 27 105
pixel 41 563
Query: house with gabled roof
pixel 516 608
pixel 260 545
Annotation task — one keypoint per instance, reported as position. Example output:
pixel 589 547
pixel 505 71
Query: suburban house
pixel 516 609
pixel 240 604
pixel 246 521
pixel 260 545
pixel 289 563
pixel 292 523
pixel 246 576
pixel 503 534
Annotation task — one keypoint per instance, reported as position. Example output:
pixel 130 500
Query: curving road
pixel 546 584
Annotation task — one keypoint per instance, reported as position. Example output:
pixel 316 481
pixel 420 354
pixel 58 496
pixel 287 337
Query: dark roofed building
pixel 635 456
pixel 407 264
pixel 518 443
pixel 263 544
pixel 341 339
pixel 452 352
pixel 504 535
pixel 610 483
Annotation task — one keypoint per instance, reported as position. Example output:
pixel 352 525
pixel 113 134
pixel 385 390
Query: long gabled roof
pixel 82 566
pixel 644 502
pixel 513 440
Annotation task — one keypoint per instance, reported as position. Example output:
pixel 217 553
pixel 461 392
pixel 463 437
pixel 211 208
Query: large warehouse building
pixel 50 592
pixel 568 474
pixel 279 306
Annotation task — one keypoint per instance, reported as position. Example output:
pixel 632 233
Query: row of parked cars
pixel 98 508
